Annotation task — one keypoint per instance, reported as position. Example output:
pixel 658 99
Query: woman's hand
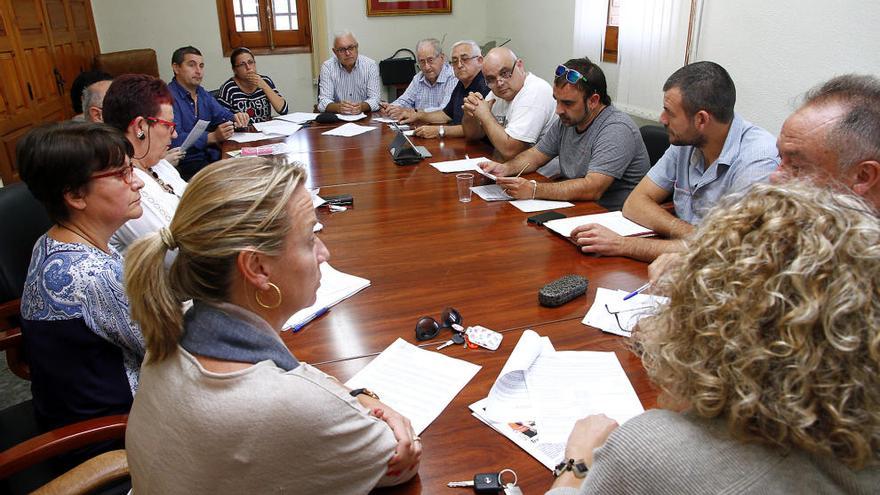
pixel 409 446
pixel 588 434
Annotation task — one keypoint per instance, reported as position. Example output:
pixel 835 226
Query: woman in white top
pixel 140 106
pixel 223 406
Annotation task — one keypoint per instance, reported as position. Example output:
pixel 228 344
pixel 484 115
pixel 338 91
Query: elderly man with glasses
pixel 601 153
pixel 349 83
pixel 517 113
pixel 467 63
pixel 430 89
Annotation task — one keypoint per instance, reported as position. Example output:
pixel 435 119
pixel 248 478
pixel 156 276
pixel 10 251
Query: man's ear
pixel 175 68
pixel 96 114
pixel 702 119
pixel 252 267
pixel 866 179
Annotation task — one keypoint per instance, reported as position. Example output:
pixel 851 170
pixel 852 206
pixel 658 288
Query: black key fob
pixel 544 217
pixel 487 483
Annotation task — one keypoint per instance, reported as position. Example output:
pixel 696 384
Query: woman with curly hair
pixel 770 347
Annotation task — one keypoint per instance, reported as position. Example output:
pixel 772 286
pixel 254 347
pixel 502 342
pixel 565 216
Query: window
pixel 265 26
pixel 609 50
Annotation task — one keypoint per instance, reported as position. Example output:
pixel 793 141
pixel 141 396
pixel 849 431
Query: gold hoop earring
pixel 269 306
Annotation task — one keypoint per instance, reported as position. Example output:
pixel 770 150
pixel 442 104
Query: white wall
pixel 165 25
pixel 777 50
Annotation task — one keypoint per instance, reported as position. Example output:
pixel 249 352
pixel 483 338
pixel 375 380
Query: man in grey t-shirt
pixel 601 152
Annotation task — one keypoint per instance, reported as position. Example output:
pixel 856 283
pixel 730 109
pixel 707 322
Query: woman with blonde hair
pixel 770 345
pixel 223 406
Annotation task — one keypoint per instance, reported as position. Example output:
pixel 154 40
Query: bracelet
pixel 534 188
pixel 577 467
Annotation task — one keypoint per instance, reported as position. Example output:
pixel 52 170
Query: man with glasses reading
pixel 517 112
pixel 429 90
pixel 349 83
pixel 713 152
pixel 467 63
pixel 601 153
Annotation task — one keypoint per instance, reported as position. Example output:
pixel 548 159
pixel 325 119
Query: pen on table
pixel 637 291
pixel 299 326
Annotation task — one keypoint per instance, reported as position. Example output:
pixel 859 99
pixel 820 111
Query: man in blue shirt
pixel 192 103
pixel 467 62
pixel 430 89
pixel 713 152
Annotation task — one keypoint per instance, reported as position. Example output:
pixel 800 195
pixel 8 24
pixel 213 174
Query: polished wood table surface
pixel 423 250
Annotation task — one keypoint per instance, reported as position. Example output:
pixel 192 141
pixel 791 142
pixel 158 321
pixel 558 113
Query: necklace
pixel 161 182
pixel 82 236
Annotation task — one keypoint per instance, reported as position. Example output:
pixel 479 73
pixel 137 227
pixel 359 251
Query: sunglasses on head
pixel 427 328
pixel 571 76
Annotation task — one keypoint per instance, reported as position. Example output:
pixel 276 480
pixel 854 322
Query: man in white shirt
pixel 430 88
pixel 349 82
pixel 517 112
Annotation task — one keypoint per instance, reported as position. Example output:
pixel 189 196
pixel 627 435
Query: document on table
pixel 351 118
pixel 417 383
pixel 463 165
pixel 335 287
pixel 194 134
pixel 533 205
pixel 349 130
pixel 525 435
pixel 298 117
pixel 279 127
pixel 597 384
pixel 508 398
pixel 247 137
pixel 384 120
pixel 611 314
pixel 491 192
pixel 613 220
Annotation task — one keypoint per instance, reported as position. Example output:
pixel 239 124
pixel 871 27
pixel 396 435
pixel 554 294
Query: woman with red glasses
pixel 140 106
pixel 83 349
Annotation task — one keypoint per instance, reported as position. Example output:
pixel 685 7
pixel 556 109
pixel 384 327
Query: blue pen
pixel 633 293
pixel 299 326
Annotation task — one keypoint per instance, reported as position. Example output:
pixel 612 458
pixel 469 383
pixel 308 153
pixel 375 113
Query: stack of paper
pixel 533 205
pixel 298 117
pixel 386 120
pixel 417 383
pixel 613 220
pixel 348 130
pixel 491 192
pixel 611 314
pixel 277 127
pixel 351 118
pixel 464 165
pixel 532 404
pixel 335 287
pixel 247 137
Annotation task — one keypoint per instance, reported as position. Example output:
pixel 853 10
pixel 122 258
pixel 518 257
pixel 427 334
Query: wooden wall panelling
pixel 38 58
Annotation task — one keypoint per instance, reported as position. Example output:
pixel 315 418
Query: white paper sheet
pixel 533 205
pixel 277 127
pixel 525 435
pixel 417 383
pixel 351 118
pixel 194 134
pixel 613 220
pixel 491 192
pixel 349 130
pixel 335 287
pixel 384 120
pixel 247 137
pixel 596 384
pixel 508 399
pixel 298 117
pixel 463 165
pixel 629 312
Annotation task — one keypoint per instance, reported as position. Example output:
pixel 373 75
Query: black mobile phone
pixel 540 218
pixel 339 199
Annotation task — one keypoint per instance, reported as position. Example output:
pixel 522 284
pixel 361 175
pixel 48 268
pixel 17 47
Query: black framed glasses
pixel 643 309
pixel 504 75
pixel 427 328
pixel 463 60
pixel 345 49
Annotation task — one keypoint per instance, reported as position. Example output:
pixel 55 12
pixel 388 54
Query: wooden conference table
pixel 423 250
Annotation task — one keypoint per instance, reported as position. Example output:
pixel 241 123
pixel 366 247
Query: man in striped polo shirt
pixel 349 82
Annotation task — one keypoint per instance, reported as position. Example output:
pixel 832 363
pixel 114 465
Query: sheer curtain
pixel 589 28
pixel 652 45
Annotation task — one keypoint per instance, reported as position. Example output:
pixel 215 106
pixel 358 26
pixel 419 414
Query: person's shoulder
pixel 538 84
pixel 227 85
pixel 366 60
pixel 754 137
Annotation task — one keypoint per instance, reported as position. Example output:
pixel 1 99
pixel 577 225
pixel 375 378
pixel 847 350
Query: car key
pixel 482 483
pixel 457 338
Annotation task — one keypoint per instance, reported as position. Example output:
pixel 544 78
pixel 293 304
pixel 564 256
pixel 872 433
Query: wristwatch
pixel 365 391
pixel 442 131
pixel 577 467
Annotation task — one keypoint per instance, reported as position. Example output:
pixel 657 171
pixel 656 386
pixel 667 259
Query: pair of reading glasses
pixel 427 328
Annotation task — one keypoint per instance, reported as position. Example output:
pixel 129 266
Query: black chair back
pixel 656 140
pixel 24 221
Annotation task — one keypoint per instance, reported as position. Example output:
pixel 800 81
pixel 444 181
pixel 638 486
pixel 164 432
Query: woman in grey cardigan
pixel 769 347
pixel 223 406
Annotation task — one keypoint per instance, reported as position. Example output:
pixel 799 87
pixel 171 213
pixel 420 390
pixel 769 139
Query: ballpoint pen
pixel 299 326
pixel 637 291
pixel 523 170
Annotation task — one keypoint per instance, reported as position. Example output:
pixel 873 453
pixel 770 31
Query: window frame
pixel 267 41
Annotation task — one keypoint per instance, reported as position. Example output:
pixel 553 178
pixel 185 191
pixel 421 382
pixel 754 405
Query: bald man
pixel 517 112
pixel 349 82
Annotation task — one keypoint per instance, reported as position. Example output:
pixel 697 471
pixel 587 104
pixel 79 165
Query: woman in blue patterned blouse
pixel 83 348
pixel 249 92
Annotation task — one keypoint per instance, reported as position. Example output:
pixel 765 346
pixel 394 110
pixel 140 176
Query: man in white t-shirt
pixel 516 113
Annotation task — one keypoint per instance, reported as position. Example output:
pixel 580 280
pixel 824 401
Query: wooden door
pixel 72 35
pixel 14 102
pixel 44 90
